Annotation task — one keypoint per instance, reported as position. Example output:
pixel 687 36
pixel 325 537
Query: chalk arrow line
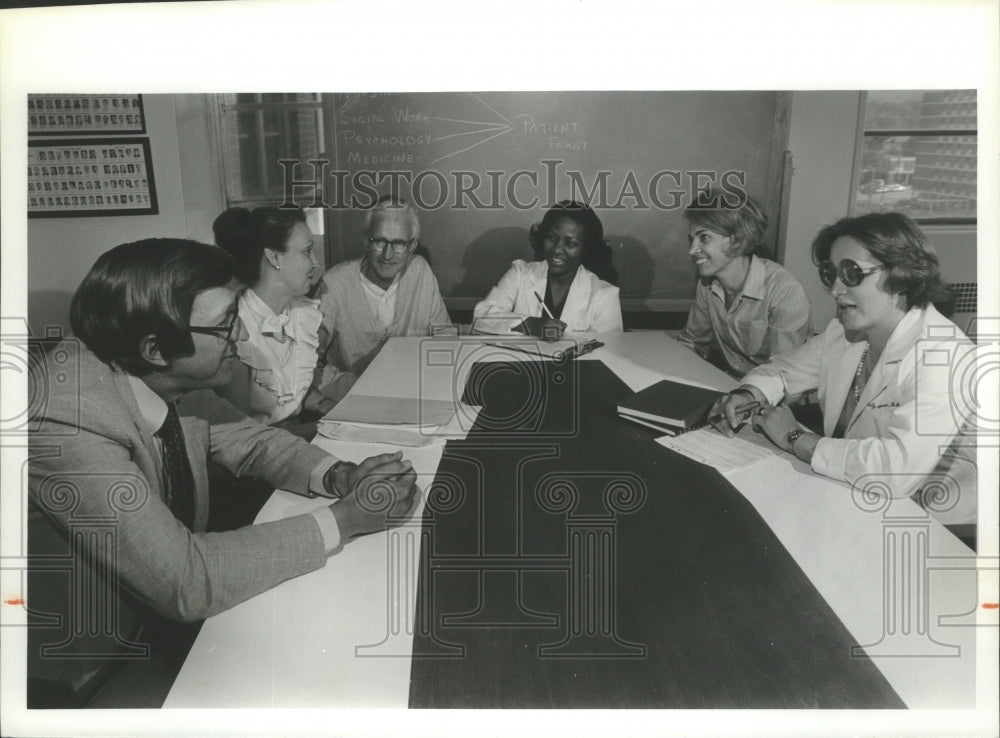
pixel 467 148
pixel 490 129
pixel 493 128
pixel 492 109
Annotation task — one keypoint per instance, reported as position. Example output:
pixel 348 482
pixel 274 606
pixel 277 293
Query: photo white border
pixel 510 45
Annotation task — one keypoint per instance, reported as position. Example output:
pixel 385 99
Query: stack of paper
pixel 398 421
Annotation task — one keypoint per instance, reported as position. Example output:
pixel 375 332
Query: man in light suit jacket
pixel 119 495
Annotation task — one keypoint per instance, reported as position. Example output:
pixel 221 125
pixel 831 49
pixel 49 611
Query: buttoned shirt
pixel 769 316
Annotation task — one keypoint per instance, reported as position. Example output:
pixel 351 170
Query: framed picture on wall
pixel 77 178
pixel 62 115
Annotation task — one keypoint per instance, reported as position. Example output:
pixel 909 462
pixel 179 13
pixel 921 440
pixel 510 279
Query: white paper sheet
pixel 372 409
pixel 728 455
pixel 411 436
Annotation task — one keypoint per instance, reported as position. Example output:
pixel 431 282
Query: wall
pixel 821 141
pixel 61 250
pixel 201 174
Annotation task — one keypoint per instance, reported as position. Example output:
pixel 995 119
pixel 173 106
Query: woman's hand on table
pixel 781 427
pixel 775 422
pixel 548 329
pixel 727 409
pixel 381 489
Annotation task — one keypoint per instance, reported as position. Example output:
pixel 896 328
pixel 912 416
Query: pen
pixel 747 408
pixel 542 303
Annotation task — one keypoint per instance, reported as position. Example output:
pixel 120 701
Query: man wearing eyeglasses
pixel 390 291
pixel 118 481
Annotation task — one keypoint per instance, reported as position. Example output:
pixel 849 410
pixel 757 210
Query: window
pixel 254 131
pixel 918 155
pixel 257 130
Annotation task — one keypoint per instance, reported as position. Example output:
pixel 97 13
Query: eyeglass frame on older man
pixel 400 247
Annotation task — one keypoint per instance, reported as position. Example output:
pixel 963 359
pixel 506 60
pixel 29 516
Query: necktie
pixel 179 479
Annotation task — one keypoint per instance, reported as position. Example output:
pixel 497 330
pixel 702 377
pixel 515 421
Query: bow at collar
pixel 278 327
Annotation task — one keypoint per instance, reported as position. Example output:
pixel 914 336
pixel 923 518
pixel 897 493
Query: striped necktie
pixel 179 479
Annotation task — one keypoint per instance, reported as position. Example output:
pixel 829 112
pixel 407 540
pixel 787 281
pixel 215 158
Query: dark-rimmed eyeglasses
pixel 400 247
pixel 224 331
pixel 850 272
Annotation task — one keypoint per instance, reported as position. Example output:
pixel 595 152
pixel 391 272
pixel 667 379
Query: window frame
pixel 220 108
pixel 859 147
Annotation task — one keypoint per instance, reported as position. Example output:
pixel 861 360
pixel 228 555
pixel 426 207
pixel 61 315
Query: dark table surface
pixel 570 561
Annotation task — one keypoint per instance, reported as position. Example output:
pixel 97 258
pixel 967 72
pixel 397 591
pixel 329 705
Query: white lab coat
pixel 910 411
pixel 591 305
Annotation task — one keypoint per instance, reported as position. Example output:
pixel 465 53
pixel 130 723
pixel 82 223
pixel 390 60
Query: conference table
pixel 561 558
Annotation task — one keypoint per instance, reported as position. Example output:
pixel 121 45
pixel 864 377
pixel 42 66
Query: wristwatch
pixel 793 435
pixel 331 474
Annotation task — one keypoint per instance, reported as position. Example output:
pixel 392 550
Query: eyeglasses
pixel 378 245
pixel 850 272
pixel 225 331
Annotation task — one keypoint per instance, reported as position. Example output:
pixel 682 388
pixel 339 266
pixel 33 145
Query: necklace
pixel 856 386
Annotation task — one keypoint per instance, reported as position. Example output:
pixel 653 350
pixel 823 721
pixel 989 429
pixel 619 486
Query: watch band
pixel 793 435
pixel 332 474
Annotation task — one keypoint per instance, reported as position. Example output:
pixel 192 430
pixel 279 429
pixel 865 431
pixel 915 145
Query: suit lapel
pixel 195 445
pixel 121 384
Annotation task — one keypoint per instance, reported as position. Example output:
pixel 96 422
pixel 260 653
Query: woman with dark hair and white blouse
pixel 272 251
pixel 558 292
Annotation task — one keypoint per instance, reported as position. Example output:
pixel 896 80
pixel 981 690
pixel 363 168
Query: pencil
pixel 542 303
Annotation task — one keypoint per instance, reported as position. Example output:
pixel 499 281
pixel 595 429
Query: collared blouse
pixel 769 316
pixel 281 351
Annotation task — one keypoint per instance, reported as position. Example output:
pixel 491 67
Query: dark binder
pixel 672 407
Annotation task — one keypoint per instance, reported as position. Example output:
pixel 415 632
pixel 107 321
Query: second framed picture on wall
pixel 90 177
pixel 71 115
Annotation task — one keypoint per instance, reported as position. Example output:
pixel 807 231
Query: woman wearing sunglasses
pixel 883 371
pixel 557 292
pixel 272 253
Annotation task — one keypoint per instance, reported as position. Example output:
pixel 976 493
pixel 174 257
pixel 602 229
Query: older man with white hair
pixel 390 291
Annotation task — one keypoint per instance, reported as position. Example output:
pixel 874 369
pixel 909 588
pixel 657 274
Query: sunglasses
pixel 226 331
pixel 850 272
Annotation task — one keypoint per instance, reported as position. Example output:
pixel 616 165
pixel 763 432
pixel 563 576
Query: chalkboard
pixel 484 166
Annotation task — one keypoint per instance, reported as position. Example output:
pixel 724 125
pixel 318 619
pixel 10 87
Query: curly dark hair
pixel 597 256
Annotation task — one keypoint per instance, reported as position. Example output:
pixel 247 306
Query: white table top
pixel 297 645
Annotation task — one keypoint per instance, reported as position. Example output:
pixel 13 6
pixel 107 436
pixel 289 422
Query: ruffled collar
pixel 281 350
